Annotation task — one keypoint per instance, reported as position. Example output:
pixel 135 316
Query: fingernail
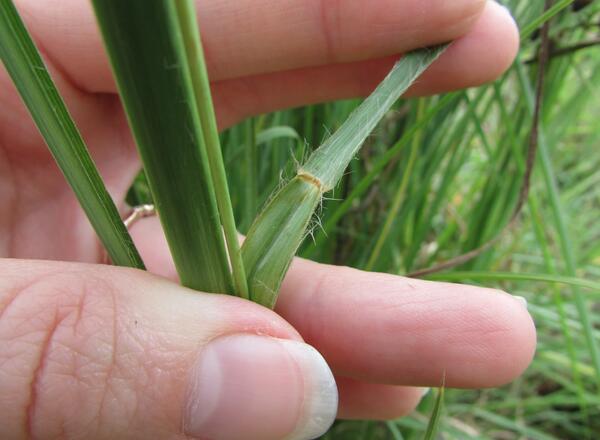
pixel 257 387
pixel 425 392
pixel 507 11
pixel 522 300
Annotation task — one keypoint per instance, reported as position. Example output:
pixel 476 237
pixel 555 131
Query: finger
pixel 366 401
pixel 248 37
pixel 477 58
pixel 393 330
pixel 104 352
pixel 388 329
pixel 149 238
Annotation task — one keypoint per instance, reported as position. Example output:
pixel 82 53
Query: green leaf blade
pixel 436 416
pixel 201 86
pixel 330 161
pixel 274 133
pixel 28 71
pixel 148 56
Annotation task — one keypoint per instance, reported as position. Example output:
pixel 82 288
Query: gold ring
pixel 137 213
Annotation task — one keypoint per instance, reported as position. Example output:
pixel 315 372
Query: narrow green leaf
pixel 330 161
pixel 274 133
pixel 251 191
pixel 201 85
pixel 530 28
pixel 436 417
pixel 400 194
pixel 508 423
pixel 396 434
pixel 511 276
pixel 556 358
pixel 276 234
pixel 149 59
pixel 26 68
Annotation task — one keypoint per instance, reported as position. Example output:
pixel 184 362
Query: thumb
pixel 103 352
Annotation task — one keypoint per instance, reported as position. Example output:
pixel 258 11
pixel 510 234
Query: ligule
pixel 277 233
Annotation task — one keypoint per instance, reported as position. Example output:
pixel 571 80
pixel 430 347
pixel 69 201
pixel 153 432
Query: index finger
pixel 250 37
pixel 389 329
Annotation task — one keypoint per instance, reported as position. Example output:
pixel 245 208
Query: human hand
pixel 92 351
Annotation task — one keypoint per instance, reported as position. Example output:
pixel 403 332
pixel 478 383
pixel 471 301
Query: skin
pixel 263 55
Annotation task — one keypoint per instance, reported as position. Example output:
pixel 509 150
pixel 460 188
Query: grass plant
pixel 436 179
